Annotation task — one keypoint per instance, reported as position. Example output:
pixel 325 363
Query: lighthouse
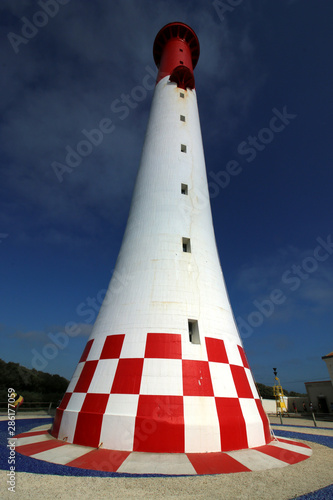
pixel 164 370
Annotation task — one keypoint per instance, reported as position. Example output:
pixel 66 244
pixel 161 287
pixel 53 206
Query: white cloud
pixel 33 337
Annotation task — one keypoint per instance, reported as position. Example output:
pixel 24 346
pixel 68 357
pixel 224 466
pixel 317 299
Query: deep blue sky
pixel 59 240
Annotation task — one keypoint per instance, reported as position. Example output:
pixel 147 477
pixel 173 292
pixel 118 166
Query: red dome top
pixel 178 31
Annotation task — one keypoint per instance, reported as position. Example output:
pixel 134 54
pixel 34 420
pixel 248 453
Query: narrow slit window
pixel 193 331
pixel 181 50
pixel 184 189
pixel 183 148
pixel 186 245
pixel 181 62
pixel 182 118
pixel 181 94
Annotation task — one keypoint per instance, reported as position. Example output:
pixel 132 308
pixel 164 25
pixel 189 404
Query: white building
pixel 321 393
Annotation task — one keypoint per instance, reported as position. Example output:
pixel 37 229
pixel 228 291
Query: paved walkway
pixel 301 422
pixel 300 428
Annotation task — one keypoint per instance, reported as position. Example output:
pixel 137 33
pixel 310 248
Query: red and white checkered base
pixel 278 453
pixel 157 393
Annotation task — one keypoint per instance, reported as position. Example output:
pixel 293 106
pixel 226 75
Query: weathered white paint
pixel 157 287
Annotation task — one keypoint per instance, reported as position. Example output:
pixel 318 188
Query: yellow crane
pixel 278 394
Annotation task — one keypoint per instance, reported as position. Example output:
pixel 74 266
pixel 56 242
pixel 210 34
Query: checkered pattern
pixel 39 445
pixel 161 402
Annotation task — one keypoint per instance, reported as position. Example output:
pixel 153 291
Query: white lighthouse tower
pixel 164 369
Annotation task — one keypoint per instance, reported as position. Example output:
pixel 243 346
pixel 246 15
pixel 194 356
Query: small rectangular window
pixel 193 331
pixel 184 189
pixel 181 62
pixel 183 148
pixel 182 118
pixel 186 245
pixel 181 50
pixel 181 94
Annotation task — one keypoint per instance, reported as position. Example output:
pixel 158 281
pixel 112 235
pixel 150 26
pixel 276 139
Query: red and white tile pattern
pixel 162 402
pixel 42 446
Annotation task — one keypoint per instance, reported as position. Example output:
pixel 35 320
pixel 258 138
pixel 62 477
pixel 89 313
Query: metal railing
pixel 30 407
